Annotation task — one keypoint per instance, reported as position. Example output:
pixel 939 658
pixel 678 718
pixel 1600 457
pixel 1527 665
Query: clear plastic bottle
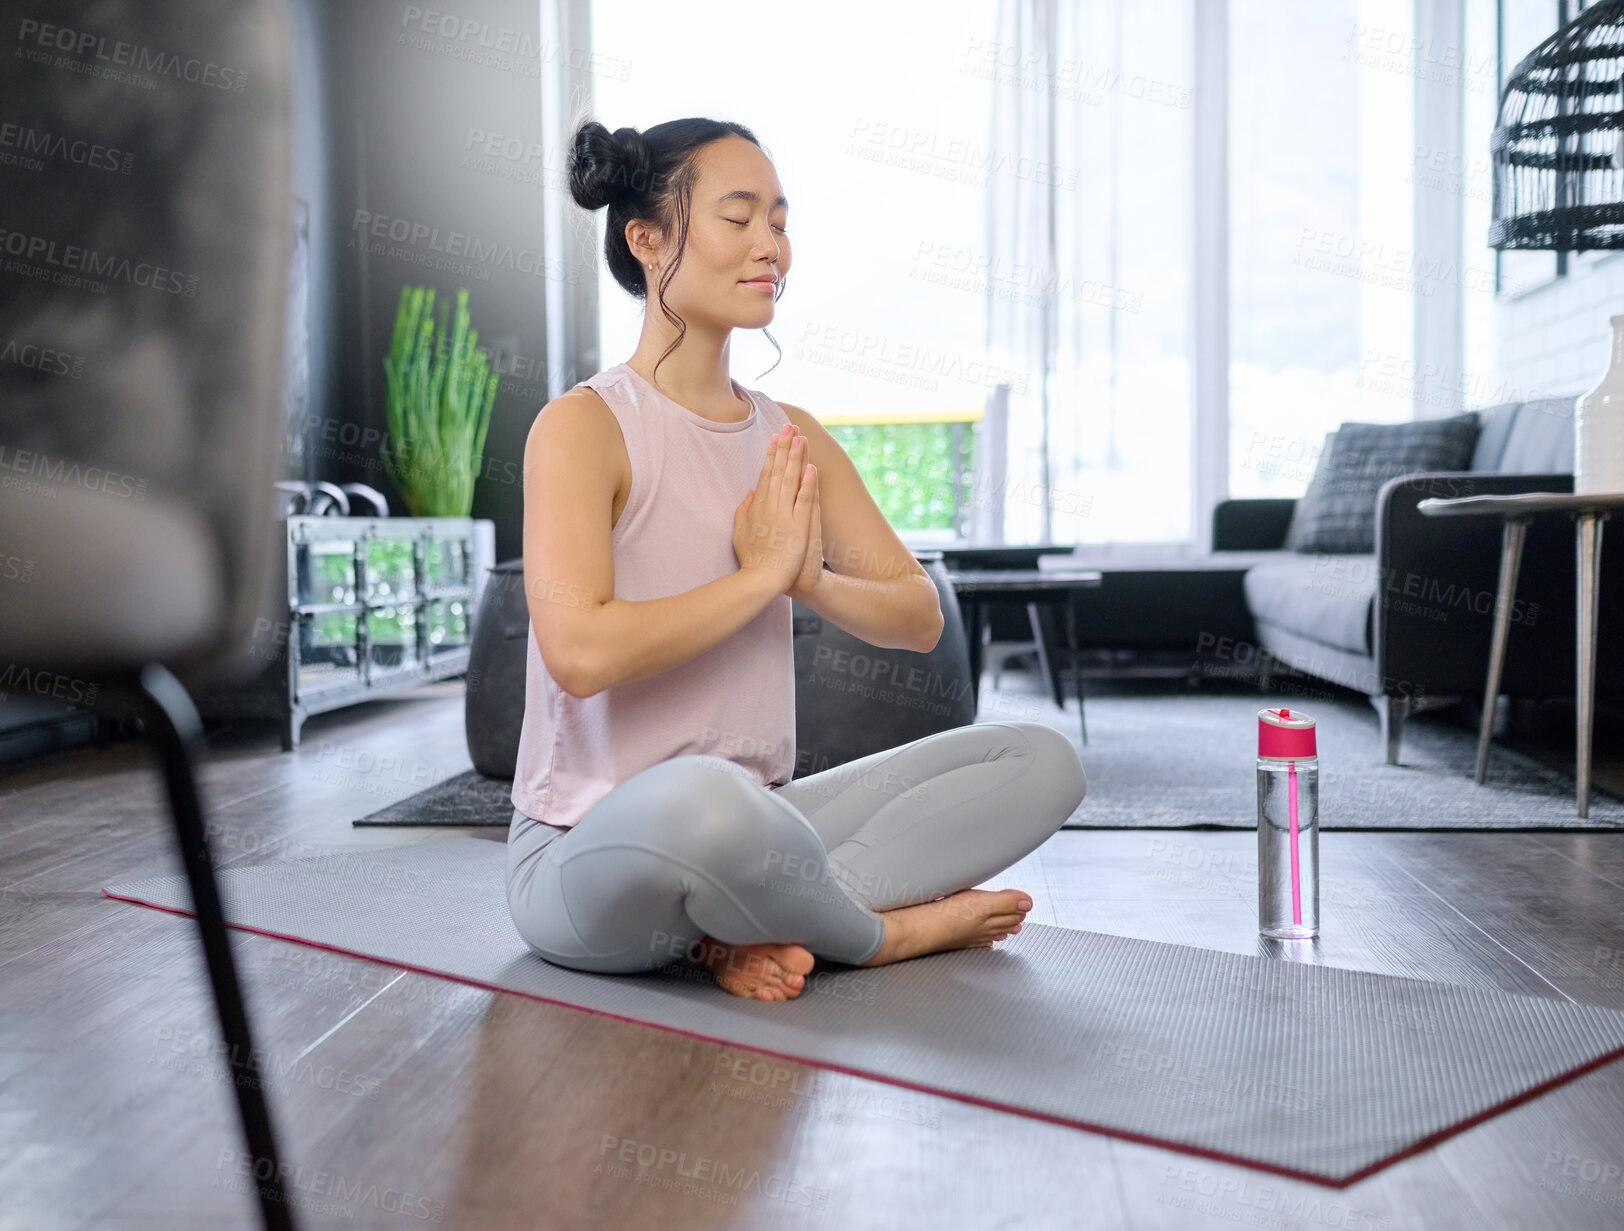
pixel 1287 825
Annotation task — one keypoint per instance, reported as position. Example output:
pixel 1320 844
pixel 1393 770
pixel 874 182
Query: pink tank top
pixel 735 700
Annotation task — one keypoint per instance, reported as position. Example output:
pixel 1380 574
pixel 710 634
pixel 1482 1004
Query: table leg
pixel 1516 530
pixel 1589 545
pixel 1046 667
pixel 971 610
pixel 1076 671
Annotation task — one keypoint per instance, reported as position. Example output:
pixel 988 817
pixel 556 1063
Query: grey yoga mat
pixel 1313 1072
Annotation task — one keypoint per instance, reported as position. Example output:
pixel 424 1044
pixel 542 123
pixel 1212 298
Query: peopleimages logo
pixel 31 142
pixel 96 478
pixel 86 264
pixel 699 1175
pixel 17 678
pixel 43 359
pixel 132 56
pixel 308 1182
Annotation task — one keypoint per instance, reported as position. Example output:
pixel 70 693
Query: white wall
pixel 1555 340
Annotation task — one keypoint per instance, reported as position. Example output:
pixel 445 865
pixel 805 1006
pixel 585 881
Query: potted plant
pixel 439 397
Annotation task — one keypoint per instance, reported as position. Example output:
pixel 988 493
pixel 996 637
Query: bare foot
pixel 758 972
pixel 969 919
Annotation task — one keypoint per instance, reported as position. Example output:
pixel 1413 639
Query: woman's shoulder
pixel 599 381
pixel 581 403
pixel 579 413
pixel 594 394
pixel 777 409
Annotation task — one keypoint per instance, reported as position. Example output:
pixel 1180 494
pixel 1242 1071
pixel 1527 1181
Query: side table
pixel 974 588
pixel 1589 511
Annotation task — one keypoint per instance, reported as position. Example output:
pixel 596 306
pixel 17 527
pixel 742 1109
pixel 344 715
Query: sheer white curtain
pixel 1344 243
pixel 1021 226
pixel 1089 203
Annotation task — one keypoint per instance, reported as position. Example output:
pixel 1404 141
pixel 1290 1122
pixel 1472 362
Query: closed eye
pixel 746 223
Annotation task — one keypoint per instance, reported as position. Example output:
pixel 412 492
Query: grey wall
pixel 401 107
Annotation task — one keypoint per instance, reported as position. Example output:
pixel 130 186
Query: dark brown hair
pixel 648 175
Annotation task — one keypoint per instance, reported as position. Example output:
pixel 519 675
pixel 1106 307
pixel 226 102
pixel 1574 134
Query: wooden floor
pixel 414 1101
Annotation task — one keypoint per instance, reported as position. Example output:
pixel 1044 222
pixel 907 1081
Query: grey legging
pixel 694 846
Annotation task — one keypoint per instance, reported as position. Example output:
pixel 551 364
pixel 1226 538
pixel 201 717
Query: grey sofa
pixel 1410 624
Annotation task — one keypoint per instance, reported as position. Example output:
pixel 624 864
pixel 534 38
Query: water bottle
pixel 1287 825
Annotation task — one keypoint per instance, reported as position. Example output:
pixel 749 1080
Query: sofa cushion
pixel 1541 438
pixel 1494 430
pixel 1338 511
pixel 1323 597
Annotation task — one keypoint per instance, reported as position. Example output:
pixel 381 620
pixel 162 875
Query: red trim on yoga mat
pixel 1178 1147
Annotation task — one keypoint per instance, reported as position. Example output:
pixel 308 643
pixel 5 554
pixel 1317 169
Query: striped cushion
pixel 1338 512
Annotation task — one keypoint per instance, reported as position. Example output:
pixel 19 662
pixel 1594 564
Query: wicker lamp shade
pixel 1558 150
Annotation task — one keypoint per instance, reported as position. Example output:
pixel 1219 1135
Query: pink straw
pixel 1296 884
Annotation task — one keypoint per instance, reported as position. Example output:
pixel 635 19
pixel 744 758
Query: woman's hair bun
pixel 605 167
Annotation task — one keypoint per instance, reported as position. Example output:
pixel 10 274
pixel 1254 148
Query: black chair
pixel 151 293
pixel 842 710
pixel 493 711
pixel 853 699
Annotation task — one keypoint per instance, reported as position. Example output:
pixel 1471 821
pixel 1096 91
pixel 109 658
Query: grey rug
pixel 1174 762
pixel 1307 1071
pixel 468 798
pixel 1177 762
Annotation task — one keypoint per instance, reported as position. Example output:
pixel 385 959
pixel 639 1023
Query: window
pixel 1322 266
pixel 883 316
pixel 894 278
pixel 1119 428
pixel 1524 25
pixel 883 311
pixel 1482 386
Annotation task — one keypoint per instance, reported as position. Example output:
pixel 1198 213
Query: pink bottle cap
pixel 1285 733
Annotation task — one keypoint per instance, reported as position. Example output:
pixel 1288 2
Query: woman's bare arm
pixel 875 588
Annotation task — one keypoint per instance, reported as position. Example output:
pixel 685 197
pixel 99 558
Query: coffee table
pixel 977 588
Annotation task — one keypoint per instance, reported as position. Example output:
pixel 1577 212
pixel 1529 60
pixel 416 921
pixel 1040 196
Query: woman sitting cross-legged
pixel 670 516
